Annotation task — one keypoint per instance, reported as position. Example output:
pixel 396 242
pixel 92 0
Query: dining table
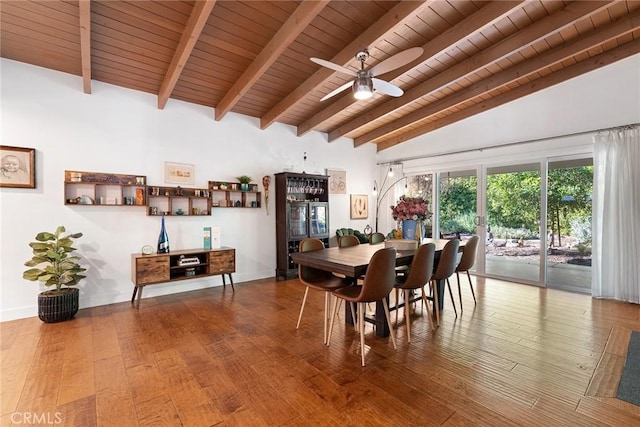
pixel 353 261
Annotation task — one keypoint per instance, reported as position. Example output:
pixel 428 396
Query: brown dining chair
pixel 402 245
pixel 376 238
pixel 419 277
pixel 466 262
pixel 446 266
pixel 378 282
pixel 318 279
pixel 347 241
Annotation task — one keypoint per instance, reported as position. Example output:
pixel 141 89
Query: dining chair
pixel 466 262
pixel 419 276
pixel 446 266
pixel 404 245
pixel 376 238
pixel 319 280
pixel 378 282
pixel 347 241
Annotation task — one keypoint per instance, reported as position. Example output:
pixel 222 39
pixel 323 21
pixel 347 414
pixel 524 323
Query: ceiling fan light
pixel 362 87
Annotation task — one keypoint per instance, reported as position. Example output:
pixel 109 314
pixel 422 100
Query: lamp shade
pixel 362 87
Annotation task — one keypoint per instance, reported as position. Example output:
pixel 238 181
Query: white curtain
pixel 616 215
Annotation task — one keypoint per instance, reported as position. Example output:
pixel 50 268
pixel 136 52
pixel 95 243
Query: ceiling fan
pixel 365 82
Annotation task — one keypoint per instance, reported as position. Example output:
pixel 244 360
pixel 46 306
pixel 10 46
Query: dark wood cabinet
pixel 302 210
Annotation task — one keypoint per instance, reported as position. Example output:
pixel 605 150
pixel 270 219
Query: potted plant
pixel 244 182
pixel 412 211
pixel 52 265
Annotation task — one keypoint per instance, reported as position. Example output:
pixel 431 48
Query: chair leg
pixel 471 286
pixel 397 297
pixel 304 300
pixel 353 316
pixel 361 327
pixel 333 318
pixel 426 304
pixel 325 320
pixel 406 314
pixel 459 291
pixel 453 302
pixel 386 312
pixel 436 305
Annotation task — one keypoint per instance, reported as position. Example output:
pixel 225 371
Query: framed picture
pixel 359 206
pixel 18 167
pixel 337 181
pixel 179 173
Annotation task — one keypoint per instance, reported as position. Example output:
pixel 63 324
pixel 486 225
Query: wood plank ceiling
pixel 252 57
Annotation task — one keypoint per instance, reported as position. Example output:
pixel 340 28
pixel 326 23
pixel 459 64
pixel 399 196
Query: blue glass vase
pixel 409 229
pixel 412 229
pixel 163 239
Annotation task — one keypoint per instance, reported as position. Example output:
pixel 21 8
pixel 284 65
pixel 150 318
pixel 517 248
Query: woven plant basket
pixel 58 307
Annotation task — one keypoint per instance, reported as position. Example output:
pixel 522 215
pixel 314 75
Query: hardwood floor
pixel 524 356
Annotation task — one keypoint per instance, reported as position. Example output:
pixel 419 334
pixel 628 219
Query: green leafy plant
pixel 51 261
pixel 244 179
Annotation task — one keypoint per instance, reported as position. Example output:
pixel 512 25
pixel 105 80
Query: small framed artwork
pixel 179 173
pixel 359 206
pixel 337 181
pixel 18 167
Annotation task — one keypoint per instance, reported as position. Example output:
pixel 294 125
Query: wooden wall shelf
pixel 231 195
pixel 170 201
pixel 104 189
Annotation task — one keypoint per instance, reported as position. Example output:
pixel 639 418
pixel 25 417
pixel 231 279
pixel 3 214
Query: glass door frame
pixel 482 166
pixel 481 260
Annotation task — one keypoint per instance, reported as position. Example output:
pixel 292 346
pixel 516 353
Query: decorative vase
pixel 163 239
pixel 58 307
pixel 412 229
pixel 244 187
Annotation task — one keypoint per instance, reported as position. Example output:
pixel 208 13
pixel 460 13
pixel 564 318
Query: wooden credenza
pixel 163 268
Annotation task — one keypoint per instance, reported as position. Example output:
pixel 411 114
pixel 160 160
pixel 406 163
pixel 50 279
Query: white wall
pixel 121 131
pixel 603 98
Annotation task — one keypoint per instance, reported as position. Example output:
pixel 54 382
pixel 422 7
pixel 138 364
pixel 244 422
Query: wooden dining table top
pixel 353 261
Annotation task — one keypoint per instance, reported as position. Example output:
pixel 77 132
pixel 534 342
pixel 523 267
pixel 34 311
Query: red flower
pixel 410 208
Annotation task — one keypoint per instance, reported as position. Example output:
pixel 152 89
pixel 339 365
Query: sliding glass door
pixel 534 219
pixel 458 203
pixel 568 246
pixel 513 203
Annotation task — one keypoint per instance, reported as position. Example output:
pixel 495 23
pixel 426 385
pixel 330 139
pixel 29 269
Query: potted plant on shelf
pixel 52 265
pixel 244 182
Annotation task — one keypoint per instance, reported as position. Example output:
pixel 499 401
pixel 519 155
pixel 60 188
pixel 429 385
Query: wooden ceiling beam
pixel 85 43
pixel 195 24
pixel 606 58
pixel 396 16
pixel 625 25
pixel 473 24
pixel 297 22
pixel 515 43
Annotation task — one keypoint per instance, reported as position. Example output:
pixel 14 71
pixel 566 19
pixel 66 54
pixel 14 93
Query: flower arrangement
pixel 415 208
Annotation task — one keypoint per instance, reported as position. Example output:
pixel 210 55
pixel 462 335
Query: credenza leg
pixel 224 281
pixel 139 297
pixel 133 297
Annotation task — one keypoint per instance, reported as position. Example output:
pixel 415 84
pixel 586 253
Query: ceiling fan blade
pixel 386 88
pixel 337 91
pixel 397 61
pixel 334 67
